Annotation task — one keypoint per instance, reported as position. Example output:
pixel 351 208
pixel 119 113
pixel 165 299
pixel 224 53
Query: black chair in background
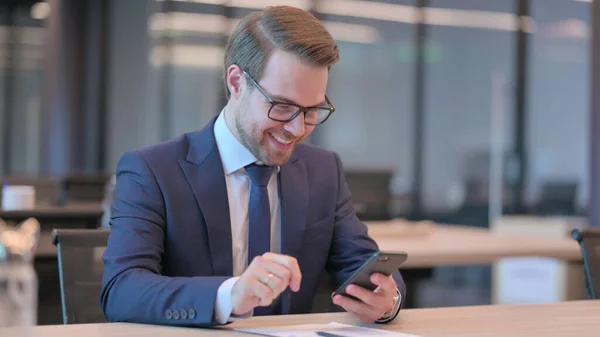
pixel 589 240
pixel 80 269
pixel 370 193
pixel 557 198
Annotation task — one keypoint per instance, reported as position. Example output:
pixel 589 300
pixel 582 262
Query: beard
pixel 254 138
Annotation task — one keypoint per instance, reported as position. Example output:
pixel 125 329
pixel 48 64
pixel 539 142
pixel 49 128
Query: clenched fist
pixel 266 277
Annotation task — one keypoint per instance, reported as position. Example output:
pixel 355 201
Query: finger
pixel 386 283
pixel 365 295
pixel 256 287
pixel 366 313
pixel 252 302
pixel 385 292
pixel 261 267
pixel 361 310
pixel 279 271
pixel 276 284
pixel 291 264
pixel 270 280
pixel 264 293
pixel 242 296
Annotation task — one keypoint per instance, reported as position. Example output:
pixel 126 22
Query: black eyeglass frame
pixel 330 108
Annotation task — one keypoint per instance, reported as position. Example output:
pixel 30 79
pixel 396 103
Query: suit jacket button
pixel 191 313
pixel 175 314
pixel 183 314
pixel 169 314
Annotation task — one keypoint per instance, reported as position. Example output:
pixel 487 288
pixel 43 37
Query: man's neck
pixel 229 114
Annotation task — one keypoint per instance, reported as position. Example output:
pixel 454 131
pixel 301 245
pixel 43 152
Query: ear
pixel 236 80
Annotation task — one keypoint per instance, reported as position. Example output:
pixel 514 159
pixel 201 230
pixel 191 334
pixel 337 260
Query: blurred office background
pixel 451 110
pixel 433 105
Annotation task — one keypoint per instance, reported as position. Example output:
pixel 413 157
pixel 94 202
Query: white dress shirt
pixel 234 157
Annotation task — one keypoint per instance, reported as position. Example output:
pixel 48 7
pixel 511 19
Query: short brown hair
pixel 290 29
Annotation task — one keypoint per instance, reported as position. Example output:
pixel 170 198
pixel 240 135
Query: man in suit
pixel 240 218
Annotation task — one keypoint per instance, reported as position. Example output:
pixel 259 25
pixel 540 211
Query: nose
pixel 296 126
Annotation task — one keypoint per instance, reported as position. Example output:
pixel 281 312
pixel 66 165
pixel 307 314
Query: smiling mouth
pixel 280 142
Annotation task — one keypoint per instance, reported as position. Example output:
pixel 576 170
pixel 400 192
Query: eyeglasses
pixel 286 111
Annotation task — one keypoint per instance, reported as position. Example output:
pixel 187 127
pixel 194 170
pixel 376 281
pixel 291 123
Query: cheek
pixel 260 129
pixel 253 123
pixel 307 131
pixel 270 126
pixel 258 119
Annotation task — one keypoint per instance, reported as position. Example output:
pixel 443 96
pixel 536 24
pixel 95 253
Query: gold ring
pixel 268 279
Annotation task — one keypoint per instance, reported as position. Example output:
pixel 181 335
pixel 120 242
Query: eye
pixel 284 108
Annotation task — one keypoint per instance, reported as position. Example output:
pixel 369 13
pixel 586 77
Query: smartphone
pixel 380 262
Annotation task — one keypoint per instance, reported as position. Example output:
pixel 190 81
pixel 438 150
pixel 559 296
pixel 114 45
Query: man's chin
pixel 278 159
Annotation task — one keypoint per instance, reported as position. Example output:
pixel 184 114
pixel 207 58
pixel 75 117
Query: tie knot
pixel 259 175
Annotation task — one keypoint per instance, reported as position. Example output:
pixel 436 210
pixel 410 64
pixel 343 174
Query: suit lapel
pixel 293 190
pixel 204 172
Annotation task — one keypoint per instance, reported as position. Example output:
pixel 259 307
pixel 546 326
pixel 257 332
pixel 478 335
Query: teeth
pixel 281 140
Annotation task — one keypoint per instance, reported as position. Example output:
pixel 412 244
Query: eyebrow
pixel 278 98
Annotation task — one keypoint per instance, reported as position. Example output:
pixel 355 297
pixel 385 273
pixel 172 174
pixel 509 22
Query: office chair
pixel 589 240
pixel 370 193
pixel 80 270
pixel 557 198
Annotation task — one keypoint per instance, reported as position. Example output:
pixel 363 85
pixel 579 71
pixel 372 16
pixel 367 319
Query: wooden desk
pixel 459 245
pixel 577 318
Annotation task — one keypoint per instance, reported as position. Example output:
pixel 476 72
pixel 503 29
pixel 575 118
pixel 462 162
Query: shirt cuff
pixel 223 306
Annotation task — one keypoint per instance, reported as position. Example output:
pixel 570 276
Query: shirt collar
pixel 234 155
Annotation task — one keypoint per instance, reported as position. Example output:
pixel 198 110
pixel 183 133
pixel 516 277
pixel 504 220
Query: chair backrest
pixel 370 193
pixel 589 240
pixel 557 198
pixel 80 270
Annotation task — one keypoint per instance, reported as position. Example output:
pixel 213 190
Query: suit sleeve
pixel 133 288
pixel 351 244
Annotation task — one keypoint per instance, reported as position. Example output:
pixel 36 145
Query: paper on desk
pixel 310 330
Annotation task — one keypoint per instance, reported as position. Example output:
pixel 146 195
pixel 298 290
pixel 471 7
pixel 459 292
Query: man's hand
pixel 372 305
pixel 264 279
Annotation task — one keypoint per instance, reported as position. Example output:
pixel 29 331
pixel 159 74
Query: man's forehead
pixel 289 80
